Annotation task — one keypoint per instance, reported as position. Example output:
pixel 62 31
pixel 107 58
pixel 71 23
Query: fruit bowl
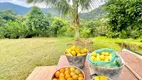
pixel 99 77
pixel 68 73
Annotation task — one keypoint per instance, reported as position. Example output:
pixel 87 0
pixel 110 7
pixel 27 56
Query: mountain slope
pixel 16 8
pixel 24 10
pixel 94 14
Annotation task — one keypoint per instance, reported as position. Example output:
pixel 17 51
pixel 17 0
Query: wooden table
pixel 45 73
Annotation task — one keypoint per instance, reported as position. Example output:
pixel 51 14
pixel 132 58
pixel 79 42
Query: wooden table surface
pixel 46 72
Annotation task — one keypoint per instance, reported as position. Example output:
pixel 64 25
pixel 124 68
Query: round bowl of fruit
pixel 76 55
pixel 68 73
pixel 99 77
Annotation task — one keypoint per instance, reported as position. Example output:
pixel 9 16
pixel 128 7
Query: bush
pixel 2 34
pixel 15 30
pixel 85 32
pixel 59 26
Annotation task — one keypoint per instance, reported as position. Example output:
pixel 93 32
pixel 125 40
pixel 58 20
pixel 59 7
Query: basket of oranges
pixel 68 73
pixel 76 55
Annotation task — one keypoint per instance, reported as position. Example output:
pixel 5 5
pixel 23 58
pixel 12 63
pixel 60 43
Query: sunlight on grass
pixel 103 42
pixel 18 57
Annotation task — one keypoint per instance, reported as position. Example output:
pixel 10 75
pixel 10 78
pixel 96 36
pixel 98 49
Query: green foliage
pixel 124 15
pixel 8 15
pixel 36 22
pixel 59 26
pixel 85 32
pixel 15 29
pixel 2 34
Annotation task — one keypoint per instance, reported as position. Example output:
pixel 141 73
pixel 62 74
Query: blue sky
pixel 23 3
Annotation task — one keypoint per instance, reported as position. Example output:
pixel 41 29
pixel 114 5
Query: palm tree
pixel 69 7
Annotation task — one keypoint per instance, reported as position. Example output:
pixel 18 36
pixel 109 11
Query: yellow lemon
pixel 103 53
pixel 73 53
pixel 96 78
pixel 103 78
pixel 98 59
pixel 110 54
pixel 79 54
pixel 102 57
pixel 93 58
pixel 68 54
pixel 94 54
pixel 73 48
pixel 106 60
pixel 85 50
pixel 106 54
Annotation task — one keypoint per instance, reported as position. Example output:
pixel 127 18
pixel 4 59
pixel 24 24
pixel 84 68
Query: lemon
pixel 68 54
pixel 79 54
pixel 98 55
pixel 103 53
pixel 94 54
pixel 106 60
pixel 93 58
pixel 96 78
pixel 110 54
pixel 102 57
pixel 73 48
pixel 103 78
pixel 85 50
pixel 73 53
pixel 98 59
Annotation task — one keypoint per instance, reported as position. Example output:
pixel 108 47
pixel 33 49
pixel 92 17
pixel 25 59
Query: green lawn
pixel 18 57
pixel 103 42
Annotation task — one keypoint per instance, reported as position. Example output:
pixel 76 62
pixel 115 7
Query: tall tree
pixel 69 7
pixel 36 22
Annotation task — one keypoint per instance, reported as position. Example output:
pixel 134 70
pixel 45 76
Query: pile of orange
pixel 69 73
pixel 76 51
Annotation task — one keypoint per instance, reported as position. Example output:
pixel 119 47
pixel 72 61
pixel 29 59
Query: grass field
pixel 18 57
pixel 103 42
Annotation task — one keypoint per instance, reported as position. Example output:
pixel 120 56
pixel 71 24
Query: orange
pixel 72 74
pixel 62 78
pixel 54 79
pixel 85 50
pixel 67 72
pixel 61 75
pixel 80 78
pixel 81 75
pixel 82 51
pixel 72 69
pixel 57 74
pixel 70 79
pixel 67 68
pixel 62 70
pixel 67 76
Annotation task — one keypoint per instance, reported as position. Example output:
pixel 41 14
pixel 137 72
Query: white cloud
pixel 22 3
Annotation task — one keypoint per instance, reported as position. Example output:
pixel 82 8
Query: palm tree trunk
pixel 77 35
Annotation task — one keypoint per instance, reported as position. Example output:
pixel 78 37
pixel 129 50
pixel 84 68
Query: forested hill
pixel 23 10
pixel 94 14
